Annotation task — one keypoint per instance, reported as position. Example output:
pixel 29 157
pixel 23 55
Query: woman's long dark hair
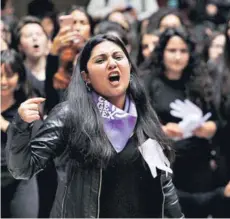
pixel 140 57
pixel 227 46
pixel 83 122
pixel 198 83
pixel 14 63
pixel 225 62
pixel 221 68
pixel 208 43
pixel 157 17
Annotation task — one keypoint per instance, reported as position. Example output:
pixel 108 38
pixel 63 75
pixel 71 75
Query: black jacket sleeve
pixel 171 206
pixel 26 158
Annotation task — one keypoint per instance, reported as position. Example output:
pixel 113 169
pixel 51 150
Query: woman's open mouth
pixel 36 47
pixel 114 78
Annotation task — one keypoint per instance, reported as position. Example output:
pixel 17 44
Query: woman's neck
pixel 37 67
pixel 7 102
pixel 171 75
pixel 119 102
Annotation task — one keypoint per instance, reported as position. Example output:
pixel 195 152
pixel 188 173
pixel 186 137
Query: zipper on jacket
pixel 99 194
pixel 163 203
pixel 63 202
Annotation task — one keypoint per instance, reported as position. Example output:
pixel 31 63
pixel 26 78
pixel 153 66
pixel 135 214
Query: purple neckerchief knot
pixel 118 124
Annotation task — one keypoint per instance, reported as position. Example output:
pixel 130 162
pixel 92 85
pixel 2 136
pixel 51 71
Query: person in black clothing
pixel 165 18
pixel 39 8
pixel 148 40
pixel 102 136
pixel 214 47
pixel 220 71
pixel 31 41
pixel 19 198
pixel 224 71
pixel 177 73
pixel 220 9
pixel 63 55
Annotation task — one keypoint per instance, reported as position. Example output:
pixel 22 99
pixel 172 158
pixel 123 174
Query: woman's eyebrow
pixel 98 55
pixel 104 54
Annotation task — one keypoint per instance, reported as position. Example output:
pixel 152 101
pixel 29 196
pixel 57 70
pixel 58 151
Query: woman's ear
pixel 85 77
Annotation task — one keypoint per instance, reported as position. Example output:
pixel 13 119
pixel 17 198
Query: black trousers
pixel 20 199
pixel 201 205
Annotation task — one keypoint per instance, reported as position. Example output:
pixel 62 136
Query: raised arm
pixel 27 157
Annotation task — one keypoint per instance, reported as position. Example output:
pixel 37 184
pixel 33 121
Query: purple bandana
pixel 118 124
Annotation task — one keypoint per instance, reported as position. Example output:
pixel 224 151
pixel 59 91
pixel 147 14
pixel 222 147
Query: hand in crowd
pixel 227 190
pixel 66 37
pixel 207 130
pixel 172 130
pixel 4 124
pixel 29 110
pixel 61 80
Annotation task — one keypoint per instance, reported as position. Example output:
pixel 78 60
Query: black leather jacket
pixel 78 192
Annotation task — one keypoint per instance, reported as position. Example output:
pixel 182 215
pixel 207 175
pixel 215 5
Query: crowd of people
pixel 116 109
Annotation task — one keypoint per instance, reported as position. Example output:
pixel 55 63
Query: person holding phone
pixel 76 29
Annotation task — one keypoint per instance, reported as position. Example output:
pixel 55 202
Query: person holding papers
pixel 180 91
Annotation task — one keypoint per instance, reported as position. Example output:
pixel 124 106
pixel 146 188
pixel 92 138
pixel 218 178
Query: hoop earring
pixel 88 87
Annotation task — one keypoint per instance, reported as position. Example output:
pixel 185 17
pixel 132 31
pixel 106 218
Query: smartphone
pixel 66 20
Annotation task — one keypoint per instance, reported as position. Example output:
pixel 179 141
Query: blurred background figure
pixel 19 198
pixel 149 41
pixel 50 24
pixel 214 46
pixel 140 10
pixel 65 49
pixel 165 18
pixel 177 73
pixel 32 42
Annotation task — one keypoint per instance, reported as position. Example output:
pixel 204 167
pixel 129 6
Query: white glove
pixel 182 109
pixel 191 115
